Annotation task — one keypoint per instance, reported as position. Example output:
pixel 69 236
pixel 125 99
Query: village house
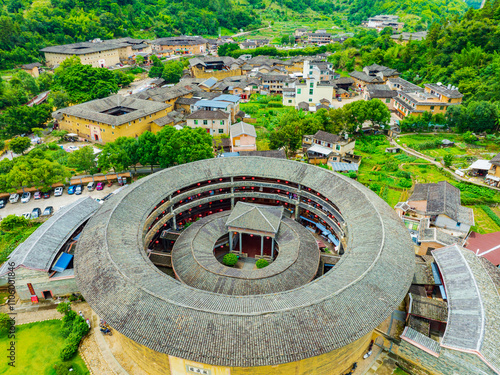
pixel 226 103
pixel 373 74
pixel 32 69
pixel 299 34
pixel 324 147
pixel 382 92
pixel 104 120
pixel 243 137
pixel 400 84
pixel 273 83
pixel 217 67
pixel 180 45
pixel 215 122
pixel 493 176
pixel 98 53
pixel 434 99
pixel 382 21
pixel 319 38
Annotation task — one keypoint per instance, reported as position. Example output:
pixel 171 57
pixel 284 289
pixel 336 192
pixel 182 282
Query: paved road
pixel 438 164
pixel 56 202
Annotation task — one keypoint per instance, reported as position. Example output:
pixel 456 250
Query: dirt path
pixel 439 165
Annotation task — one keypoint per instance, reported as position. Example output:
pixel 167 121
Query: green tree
pixel 22 119
pixel 37 131
pixel 157 68
pixel 11 222
pixel 82 159
pixel 183 146
pixel 123 79
pixel 172 71
pixel 113 157
pixel 226 49
pixel 448 160
pixel 64 308
pixel 19 145
pixel 84 82
pixel 378 113
pixel 139 59
pixel 147 149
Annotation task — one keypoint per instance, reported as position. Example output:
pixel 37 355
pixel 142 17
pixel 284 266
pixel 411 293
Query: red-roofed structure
pixel 485 245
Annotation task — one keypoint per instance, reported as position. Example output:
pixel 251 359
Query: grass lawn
pixel 484 224
pixel 37 350
pixel 398 371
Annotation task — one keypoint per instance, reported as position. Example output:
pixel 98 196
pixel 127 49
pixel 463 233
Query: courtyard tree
pixel 230 259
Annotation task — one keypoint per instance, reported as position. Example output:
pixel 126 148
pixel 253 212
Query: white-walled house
pixel 214 122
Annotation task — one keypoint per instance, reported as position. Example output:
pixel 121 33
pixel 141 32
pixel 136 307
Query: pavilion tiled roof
pixel 255 217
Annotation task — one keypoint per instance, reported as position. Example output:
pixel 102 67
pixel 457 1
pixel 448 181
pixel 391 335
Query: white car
pixel 91 186
pixel 14 198
pixel 58 191
pixel 25 198
pixel 72 148
pixel 27 215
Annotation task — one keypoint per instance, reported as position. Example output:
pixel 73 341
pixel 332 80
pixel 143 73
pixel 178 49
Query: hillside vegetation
pixel 26 26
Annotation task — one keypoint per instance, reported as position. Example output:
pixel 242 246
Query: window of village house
pixel 289 101
pixel 196 122
pixel 387 100
pixel 221 131
pixel 299 91
pixel 222 122
pixel 205 122
pixel 441 107
pixel 432 107
pixel 311 91
pixel 337 147
pixel 310 99
pixel 311 84
pixel 328 145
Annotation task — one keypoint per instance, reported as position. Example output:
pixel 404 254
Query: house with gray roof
pixel 215 122
pixel 440 202
pixel 324 146
pixel 373 74
pixel 44 259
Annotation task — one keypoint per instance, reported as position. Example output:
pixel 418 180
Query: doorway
pixel 47 294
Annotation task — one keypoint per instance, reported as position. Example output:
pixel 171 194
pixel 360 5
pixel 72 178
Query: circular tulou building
pixel 152 263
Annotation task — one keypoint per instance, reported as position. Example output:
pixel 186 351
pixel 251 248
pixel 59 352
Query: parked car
pixel 25 198
pixel 46 195
pixel 100 186
pixel 26 215
pixel 339 99
pixel 71 189
pixel 14 198
pixel 119 178
pixel 36 213
pixel 3 202
pixel 37 195
pixel 91 186
pixel 78 189
pixel 58 191
pixel 48 211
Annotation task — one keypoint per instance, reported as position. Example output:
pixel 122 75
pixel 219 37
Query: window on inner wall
pixel 311 91
pixel 222 122
pixel 311 84
pixel 289 101
pixel 299 91
pixel 205 122
pixel 221 131
pixel 196 122
pixel 310 99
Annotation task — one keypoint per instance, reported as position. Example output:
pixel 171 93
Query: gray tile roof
pixel 380 91
pixel 473 303
pixel 277 154
pixel 203 114
pixel 84 47
pixel 243 128
pixel 162 94
pixel 123 287
pixel 95 110
pixel 428 308
pixel 255 217
pixel 194 262
pixel 496 159
pixel 427 234
pixel 40 249
pixel 327 137
pixel 423 274
pixel 362 76
pixel 415 337
pixel 443 90
pixel 443 198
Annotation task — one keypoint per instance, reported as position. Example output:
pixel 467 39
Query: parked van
pixel 91 186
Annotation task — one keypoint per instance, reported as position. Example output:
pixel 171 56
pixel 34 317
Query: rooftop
pixel 327 137
pixel 443 90
pixel 135 298
pixel 113 110
pixel 39 250
pixel 242 128
pixel 473 300
pixel 83 48
pixel 203 114
pixel 255 217
pixel 485 245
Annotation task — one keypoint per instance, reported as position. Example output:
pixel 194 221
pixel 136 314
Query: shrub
pixel 492 215
pixel 230 259
pixel 72 298
pixel 352 175
pixel 261 263
pixel 11 222
pixel 64 308
pixel 53 146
